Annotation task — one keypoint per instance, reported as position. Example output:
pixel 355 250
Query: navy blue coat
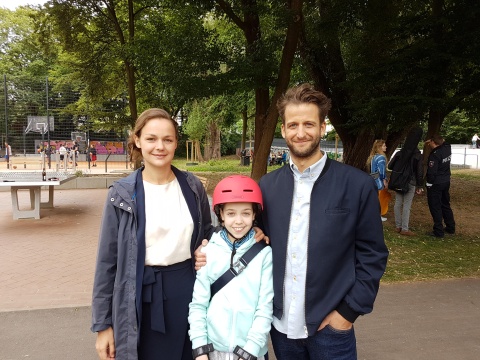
pixel 117 283
pixel 347 254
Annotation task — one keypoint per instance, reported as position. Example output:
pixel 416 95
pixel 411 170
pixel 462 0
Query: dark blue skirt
pixel 167 292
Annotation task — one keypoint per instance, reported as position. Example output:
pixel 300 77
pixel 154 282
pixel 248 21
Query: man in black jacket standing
pixel 438 186
pixel 326 236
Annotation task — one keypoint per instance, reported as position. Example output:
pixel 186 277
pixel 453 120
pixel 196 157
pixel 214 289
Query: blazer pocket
pixel 337 211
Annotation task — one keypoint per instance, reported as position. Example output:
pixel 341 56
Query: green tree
pixel 209 120
pixel 102 35
pixel 271 31
pixel 388 65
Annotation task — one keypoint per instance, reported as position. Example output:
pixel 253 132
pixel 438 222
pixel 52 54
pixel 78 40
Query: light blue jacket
pixel 379 163
pixel 242 311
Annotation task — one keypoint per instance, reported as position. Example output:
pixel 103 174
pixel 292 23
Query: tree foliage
pixel 387 64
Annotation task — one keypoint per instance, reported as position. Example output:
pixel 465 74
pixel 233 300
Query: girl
pixel 236 319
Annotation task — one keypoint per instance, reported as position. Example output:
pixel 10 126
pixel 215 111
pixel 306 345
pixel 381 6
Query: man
pixel 326 236
pixel 74 153
pixel 438 186
pixel 8 153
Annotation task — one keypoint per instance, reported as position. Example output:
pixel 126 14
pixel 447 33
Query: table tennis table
pixel 32 181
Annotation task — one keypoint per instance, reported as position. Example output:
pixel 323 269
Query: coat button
pixel 121 204
pixel 129 208
pixel 112 199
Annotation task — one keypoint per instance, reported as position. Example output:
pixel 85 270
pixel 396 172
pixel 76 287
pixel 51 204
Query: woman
pixel 153 221
pixel 377 163
pixel 410 158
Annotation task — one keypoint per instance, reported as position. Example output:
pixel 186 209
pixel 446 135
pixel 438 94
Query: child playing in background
pixel 236 319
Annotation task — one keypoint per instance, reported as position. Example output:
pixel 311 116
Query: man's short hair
pixel 304 94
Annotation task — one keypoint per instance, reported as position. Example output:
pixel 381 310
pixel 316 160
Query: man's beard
pixel 306 153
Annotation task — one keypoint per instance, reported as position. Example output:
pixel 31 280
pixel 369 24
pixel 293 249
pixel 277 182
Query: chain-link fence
pixel 42 121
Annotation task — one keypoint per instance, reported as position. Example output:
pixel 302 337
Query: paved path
pixel 46 272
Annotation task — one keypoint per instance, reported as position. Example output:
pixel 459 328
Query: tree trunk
pixel 244 127
pixel 266 121
pixel 216 151
pixel 212 142
pixel 357 149
pixel 198 151
pixel 266 114
pixel 132 94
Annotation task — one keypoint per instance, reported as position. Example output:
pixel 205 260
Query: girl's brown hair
pixel 142 120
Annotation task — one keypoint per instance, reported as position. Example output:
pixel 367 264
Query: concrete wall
pixel 94 182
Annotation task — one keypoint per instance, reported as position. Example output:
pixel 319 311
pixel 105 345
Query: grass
pixel 230 164
pixel 417 258
pixel 423 258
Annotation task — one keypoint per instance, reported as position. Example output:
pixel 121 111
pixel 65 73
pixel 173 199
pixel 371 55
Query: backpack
pixel 402 163
pixel 401 174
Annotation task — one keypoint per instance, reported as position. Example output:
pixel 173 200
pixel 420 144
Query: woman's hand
pixel 200 257
pixel 259 235
pixel 105 344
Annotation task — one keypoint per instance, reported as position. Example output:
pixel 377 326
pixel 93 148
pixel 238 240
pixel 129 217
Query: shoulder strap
pixel 237 268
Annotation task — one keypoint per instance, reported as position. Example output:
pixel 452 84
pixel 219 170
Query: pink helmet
pixel 237 188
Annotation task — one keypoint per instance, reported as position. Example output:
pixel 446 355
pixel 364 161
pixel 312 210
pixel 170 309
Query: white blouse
pixel 169 225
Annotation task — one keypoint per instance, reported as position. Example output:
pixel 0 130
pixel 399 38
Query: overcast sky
pixel 12 4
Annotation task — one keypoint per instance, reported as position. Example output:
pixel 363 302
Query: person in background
pixel 236 319
pixel 74 152
pixel 475 139
pixel 284 157
pixel 438 186
pixel 153 221
pixel 327 242
pixel 62 151
pixel 93 154
pixel 377 162
pixel 403 201
pixel 8 153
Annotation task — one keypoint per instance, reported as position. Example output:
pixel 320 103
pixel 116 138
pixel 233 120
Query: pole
pixel 6 106
pixel 87 124
pixel 24 150
pixel 48 129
